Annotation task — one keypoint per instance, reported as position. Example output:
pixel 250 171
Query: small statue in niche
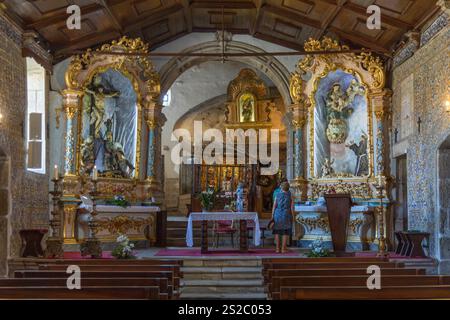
pixel 362 159
pixel 339 108
pixel 247 107
pixel 327 169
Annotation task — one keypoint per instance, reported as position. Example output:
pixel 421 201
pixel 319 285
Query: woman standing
pixel 282 216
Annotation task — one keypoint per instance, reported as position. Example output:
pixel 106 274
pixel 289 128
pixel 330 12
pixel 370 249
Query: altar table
pixel 242 217
pixel 136 222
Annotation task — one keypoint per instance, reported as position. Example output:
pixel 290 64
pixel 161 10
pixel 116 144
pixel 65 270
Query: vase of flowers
pixel 119 201
pixel 207 199
pixel 124 248
pixel 317 249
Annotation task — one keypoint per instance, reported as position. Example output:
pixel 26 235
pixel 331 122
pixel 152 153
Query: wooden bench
pixel 82 262
pixel 165 290
pixel 268 273
pixel 325 259
pixel 338 272
pixel 353 293
pixel 174 284
pixel 351 280
pixel 105 293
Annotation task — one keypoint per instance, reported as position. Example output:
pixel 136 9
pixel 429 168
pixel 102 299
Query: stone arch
pixel 269 65
pixel 5 208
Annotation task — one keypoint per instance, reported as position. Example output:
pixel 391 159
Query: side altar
pixel 113 127
pixel 340 131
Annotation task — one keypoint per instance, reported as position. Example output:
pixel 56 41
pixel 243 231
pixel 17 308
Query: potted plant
pixel 124 248
pixel 317 249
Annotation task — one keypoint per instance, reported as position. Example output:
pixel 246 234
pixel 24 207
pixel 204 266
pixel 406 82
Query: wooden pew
pixel 173 283
pixel 353 281
pixel 175 269
pixel 269 272
pixel 354 293
pixel 102 293
pixel 338 272
pixel 324 259
pixel 163 283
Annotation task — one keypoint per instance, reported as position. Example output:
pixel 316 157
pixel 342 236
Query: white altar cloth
pixel 215 216
pixel 303 208
pixel 86 203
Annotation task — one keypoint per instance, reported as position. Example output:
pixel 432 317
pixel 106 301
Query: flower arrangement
pixel 119 201
pixel 318 250
pixel 124 249
pixel 207 199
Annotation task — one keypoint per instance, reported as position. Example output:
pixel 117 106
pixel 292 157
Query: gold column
pixel 154 119
pixel 381 104
pixel 299 182
pixel 71 105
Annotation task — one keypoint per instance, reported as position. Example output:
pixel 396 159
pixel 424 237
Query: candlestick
pixel 55 172
pixel 95 174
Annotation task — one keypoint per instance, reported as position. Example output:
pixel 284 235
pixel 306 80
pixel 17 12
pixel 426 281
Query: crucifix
pixel 419 122
pixel 395 135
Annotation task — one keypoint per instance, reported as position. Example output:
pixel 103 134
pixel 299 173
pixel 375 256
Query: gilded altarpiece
pixel 113 122
pixel 340 107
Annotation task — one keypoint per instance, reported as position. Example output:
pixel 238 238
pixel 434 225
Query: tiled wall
pixel 430 67
pixel 28 205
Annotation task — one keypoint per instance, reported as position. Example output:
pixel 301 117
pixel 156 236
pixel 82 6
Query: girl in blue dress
pixel 282 216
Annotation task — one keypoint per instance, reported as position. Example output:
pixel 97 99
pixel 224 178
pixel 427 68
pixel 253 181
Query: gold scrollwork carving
pixel 122 224
pixel 357 190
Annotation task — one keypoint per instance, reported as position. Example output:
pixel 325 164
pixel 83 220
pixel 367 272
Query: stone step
pixel 222 283
pixel 228 262
pixel 221 289
pixel 223 296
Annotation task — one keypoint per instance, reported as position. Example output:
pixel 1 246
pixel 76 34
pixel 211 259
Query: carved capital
pixel 381 103
pixel 299 112
pixel 71 102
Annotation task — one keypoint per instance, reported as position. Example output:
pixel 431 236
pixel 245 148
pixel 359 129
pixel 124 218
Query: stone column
pixel 71 104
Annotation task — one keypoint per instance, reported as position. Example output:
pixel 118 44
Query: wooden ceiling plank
pixel 360 41
pixel 283 43
pixel 187 14
pixel 258 17
pixel 111 15
pixel 384 18
pixel 331 18
pixel 292 16
pixel 222 4
pixel 86 42
pixel 61 17
pixel 153 18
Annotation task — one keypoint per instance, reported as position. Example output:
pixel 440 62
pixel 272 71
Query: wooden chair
pixel 223 227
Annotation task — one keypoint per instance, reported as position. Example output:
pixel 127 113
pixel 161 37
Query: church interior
pixel 224 149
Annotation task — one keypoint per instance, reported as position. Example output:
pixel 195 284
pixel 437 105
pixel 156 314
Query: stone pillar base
pixel 91 247
pixel 54 248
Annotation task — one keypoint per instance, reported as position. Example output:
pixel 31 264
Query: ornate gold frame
pixel 366 68
pixel 137 68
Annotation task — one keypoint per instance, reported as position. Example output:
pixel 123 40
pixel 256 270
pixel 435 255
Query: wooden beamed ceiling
pixel 285 22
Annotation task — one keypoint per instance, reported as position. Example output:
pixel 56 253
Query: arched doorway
pixel 5 208
pixel 444 205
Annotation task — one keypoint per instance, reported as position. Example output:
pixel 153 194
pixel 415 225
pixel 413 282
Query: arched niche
pixel 340 103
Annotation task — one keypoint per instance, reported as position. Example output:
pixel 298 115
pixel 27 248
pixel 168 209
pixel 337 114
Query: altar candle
pixel 380 181
pixel 55 172
pixel 94 174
